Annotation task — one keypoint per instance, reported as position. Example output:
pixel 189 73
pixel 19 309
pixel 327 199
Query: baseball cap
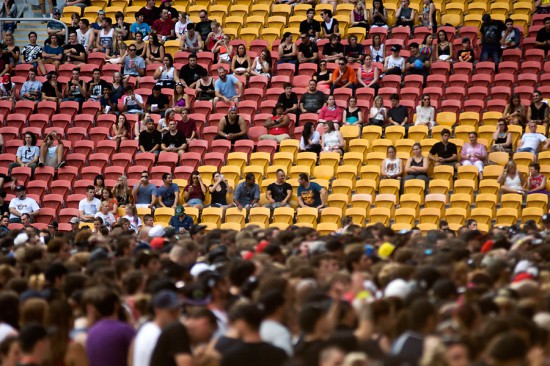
pixel 20 239
pixel 156 231
pixel 166 299
pixel 6 79
pixel 20 188
pixel 546 218
pixel 180 210
pixel 386 250
pixel 56 11
pixel 395 48
pixel 398 288
pixel 54 224
pixel 157 243
pixel 74 220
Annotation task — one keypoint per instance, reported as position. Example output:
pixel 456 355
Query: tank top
pixel 536 181
pixel 232 128
pixel 418 164
pixel 106 39
pixel 352 117
pixel 241 65
pixel 219 197
pixel 139 51
pixel 445 50
pixel 367 75
pixel 538 113
pixel 286 52
pixel 322 77
pixel 329 27
pixel 83 38
pixel 377 55
pixel 395 62
pixel 513 182
pixel 205 89
pixel 501 140
pixel 377 20
pixel 167 75
pixel 191 42
pixel 358 17
pixel 155 54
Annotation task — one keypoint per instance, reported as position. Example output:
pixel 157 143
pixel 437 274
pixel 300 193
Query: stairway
pixel 30 9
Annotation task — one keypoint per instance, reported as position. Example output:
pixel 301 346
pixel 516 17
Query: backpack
pixel 491 34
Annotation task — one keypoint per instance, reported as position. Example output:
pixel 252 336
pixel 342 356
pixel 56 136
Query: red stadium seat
pixel 66 214
pixel 75 134
pixel 5 107
pixel 504 79
pixel 105 120
pixel 80 186
pixel 214 159
pixel 183 172
pixel 90 172
pixel 415 81
pixel 37 187
pixel 110 69
pixel 66 70
pixel 85 147
pixel 70 108
pixel 46 216
pixel 260 82
pixel 129 147
pixel 478 93
pixel 114 172
pixel 453 106
pixel 83 120
pixel 25 107
pixel 76 160
pixel 169 159
pixel 268 146
pixel 459 80
pixel 308 69
pixel 69 172
pixel 199 146
pixel 11 145
pixel 44 174
pixel 158 171
pixel 134 172
pixel 9 133
pixel 91 107
pixel 105 146
pixel 38 121
pixel 145 159
pixel 532 67
pixel 61 121
pixel 6 159
pixel 209 133
pixel 21 174
pixel 34 130
pixel 191 159
pixel 527 79
pixel 18 120
pixel 53 201
pixel 536 55
pixel 220 146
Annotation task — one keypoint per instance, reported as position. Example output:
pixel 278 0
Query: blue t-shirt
pixel 228 88
pixel 131 65
pixel 145 194
pixel 142 28
pixel 245 194
pixel 168 194
pixel 187 223
pixel 53 51
pixel 311 196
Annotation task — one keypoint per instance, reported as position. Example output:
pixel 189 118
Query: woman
pixel 223 50
pixel 536 183
pixel 181 100
pixel 52 89
pixel 417 166
pixel 119 49
pixel 310 140
pixel 332 139
pixel 241 62
pixel 502 138
pixel 194 193
pixel 288 52
pixel 474 153
pixel 394 64
pixel 378 15
pixel 331 113
pixel 368 75
pixel 52 53
pixel 353 115
pixel 98 225
pixel 377 49
pixel 8 9
pixel 378 113
pixel 426 48
pixel 117 87
pixel 132 216
pixel 122 192
pixel 112 203
pixel 64 351
pixel 425 113
pixel 107 217
pixel 155 51
pixel 329 25
pixel 166 74
pixel 392 166
pixel 7 89
pixel 99 186
pixel 511 180
pixel 121 130
pixel 359 16
pixel 428 16
pixel 204 88
pixel 515 113
pixel 140 125
pixel 405 16
pixel 10 53
pixel 444 48
pixel 323 76
pixel 218 192
pixel 215 35
pixel 75 89
pixel 262 64
pixel 169 116
pixel 141 50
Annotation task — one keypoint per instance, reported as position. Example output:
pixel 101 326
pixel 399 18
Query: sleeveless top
pixel 419 164
pixel 377 55
pixel 367 75
pixel 322 77
pixel 192 42
pixel 407 12
pixel 155 54
pixel 395 62
pixel 331 139
pixel 514 183
pixel 232 128
pixel 538 113
pixel 285 53
pixel 352 117
pixel 392 167
pixel 329 27
pixel 167 75
pixel 536 181
pixel 106 39
pixel 219 197
pixel 83 38
pixel 501 140
pixel 239 65
pixel 445 50
pixel 358 17
pixel 140 51
pixel 377 20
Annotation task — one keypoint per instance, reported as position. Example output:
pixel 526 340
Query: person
pixel 223 50
pixel 538 110
pixel 312 100
pixel 50 154
pixel 150 12
pixel 288 52
pixel 8 9
pixel 502 138
pixel 398 115
pixel 359 16
pixel 333 50
pixel 95 87
pixel 144 192
pixel 466 54
pixel 191 73
pixel 85 36
pixel 105 38
pixel 119 49
pixel 444 48
pixel 22 204
pixel 107 217
pixel 331 113
pixel 310 27
pixel 121 192
pixel 139 26
pixel 75 90
pixel 74 52
pixel 428 16
pixel 542 40
pixel 308 52
pixel 417 166
pixel 323 76
pixel 181 25
pixel 474 153
pixel 181 99
pixel 191 41
pixel 344 76
pixel 240 64
pixel 89 206
pixel 368 75
pixel 214 36
pixel 310 139
pixel 52 90
pixel 536 182
pixel 394 64
pixel 425 113
pixel 141 46
pixel 112 203
pixel 10 53
pixel 131 102
pixel 181 221
pixel 329 25
pixel 532 141
pixel 34 341
pixel 121 130
pixel 134 65
pixel 332 139
pixel 168 193
pixel 378 15
pixel 53 52
pixel 187 126
pixel 444 152
pixel 247 193
pixel 261 66
pixel 131 215
pixel 173 140
pixel 392 166
pixel 405 16
pixel 288 99
pixel 32 54
pixel 194 193
pixel 353 116
pixel 232 127
pixel 511 180
pixel 511 36
pixel 377 48
pixel 417 64
pixel 491 33
pixel 218 191
pixel 32 88
pixel 166 74
pixel 228 88
pixel 278 193
pixel 121 27
pixel 515 113
pixel 7 89
pixel 311 194
pixel 277 126
pixel 157 103
pixel 155 50
pixel 378 113
pixel 426 48
pixel 27 155
pixel 164 26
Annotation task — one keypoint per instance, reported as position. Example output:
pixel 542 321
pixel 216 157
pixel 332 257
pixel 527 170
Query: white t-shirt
pixel 89 208
pixel 277 335
pixel 135 222
pixel 108 220
pixel 145 342
pixel 26 205
pixel 532 140
pixel 395 62
pixel 6 330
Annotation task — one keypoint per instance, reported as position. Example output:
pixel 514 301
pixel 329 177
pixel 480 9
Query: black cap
pixel 546 218
pixel 20 188
pixel 166 299
pixel 396 48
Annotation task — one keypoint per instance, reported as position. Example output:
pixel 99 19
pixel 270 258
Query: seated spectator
pixel 105 215
pixel 191 41
pixel 425 113
pixel 96 26
pixel 536 182
pixel 308 52
pixel 261 66
pixel 122 193
pixel 50 154
pixel 150 138
pixel 312 100
pixel 311 194
pixel 150 12
pixel 466 54
pixel 105 38
pixel 4 205
pixel 392 166
pixel 417 166
pixel 247 193
pixel 145 193
pixel 132 103
pixel 168 193
pixel 223 50
pixel 332 139
pixel 277 126
pixel 377 48
pixel 166 74
pixel 26 155
pixel 10 54
pixel 96 85
pixel 157 103
pixel 216 33
pixel 310 27
pixel 194 193
pixel 155 50
pixel 108 104
pixel 181 25
pixel 141 46
pixel 240 64
pixel 52 90
pixel 511 36
pixel 32 88
pixel 173 140
pixel 474 153
pixel 26 221
pixel 368 75
pixel 288 99
pixel 331 113
pixel 515 113
pixel 359 17
pixel 538 111
pixel 334 50
pixel 378 113
pixel 394 64
pixel 323 76
pixel 139 26
pixel 542 40
pixel 7 89
pixel 218 191
pixel 353 116
pixel 279 192
pixel 329 25
pixel 121 130
pixel 531 141
pixel 232 127
pixel 75 90
pixel 32 54
pixel 164 27
pixel 187 126
pixel 134 65
pixel 53 52
pixel 85 36
pixel 417 64
pixel 426 48
pixel 181 221
pixel 74 52
pixel 228 88
pixel 288 52
pixel 181 99
pixel 205 88
pixel 444 48
pixel 398 115
pixel 502 138
pixel 169 116
pixel 406 16
pixel 88 206
pixel 444 152
pixel 344 76
pixel 354 51
pixel 112 203
pixel 133 218
pixel 99 186
pixel 310 140
pixel 22 204
pixel 121 27
pixel 511 180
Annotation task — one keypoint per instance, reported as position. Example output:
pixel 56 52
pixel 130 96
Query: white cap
pixel 398 288
pixel 156 231
pixel 199 268
pixel 20 239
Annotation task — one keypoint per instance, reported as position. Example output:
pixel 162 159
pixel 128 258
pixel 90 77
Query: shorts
pixel 194 201
pixel 8 27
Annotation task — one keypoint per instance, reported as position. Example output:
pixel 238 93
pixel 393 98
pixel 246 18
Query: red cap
pixel 247 255
pixel 261 246
pixel 487 246
pixel 522 277
pixel 157 243
pixel 6 79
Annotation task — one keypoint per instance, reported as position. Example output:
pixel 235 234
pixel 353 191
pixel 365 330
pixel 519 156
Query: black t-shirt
pixel 49 90
pixel 78 48
pixel 5 208
pixel 177 140
pixel 279 192
pixel 399 113
pixel 161 101
pixel 308 49
pixel 492 32
pixel 125 26
pixel 97 91
pixel 443 151
pixel 225 344
pixel 191 75
pixel 331 49
pixel 310 28
pixel 313 101
pixel 149 139
pixel 465 54
pixel 543 35
pixel 254 354
pixel 173 341
pixel 354 52
pixel 204 28
pixel 288 102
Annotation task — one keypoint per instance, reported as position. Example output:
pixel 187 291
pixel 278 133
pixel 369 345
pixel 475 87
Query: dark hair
pixel 535 166
pixel 287 85
pixel 155 40
pixel 192 56
pixel 394 96
pixel 190 26
pixel 249 313
pixel 119 14
pixel 90 187
pixel 509 20
pixel 546 19
pixel 391 147
pixel 343 59
pixel 330 125
pixel 307 131
pixel 99 176
pixel 165 175
pixel 33 138
pixel 426 38
pixel 267 56
pixel 279 170
pixel 32 33
pixel 328 12
pixel 170 58
pixel 445 131
pixel 304 177
pixel 444 33
pixel 109 20
pixel 249 176
pixel 286 35
pixel 472 132
pixel 309 316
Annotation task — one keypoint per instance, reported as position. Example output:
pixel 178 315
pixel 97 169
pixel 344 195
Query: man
pixel 417 64
pixel 168 193
pixel 140 26
pixel 288 99
pixel 32 88
pixel 491 33
pixel 85 35
pixel 50 154
pixel 511 37
pixel 531 141
pixel 75 224
pixel 34 342
pixel 132 102
pixel 98 24
pixel 96 85
pixel 204 27
pixel 228 88
pixel 197 233
pixel 311 194
pixel 187 126
pixel 313 100
pixel 445 151
pixel 173 140
pixel 232 127
pixel 150 138
pixel 74 52
pixel 176 342
pixel 466 54
pixel 166 306
pixel 190 73
pixel 26 221
pixel 344 76
pixel 134 65
pixel 172 12
pixel 22 204
pixel 180 221
pixel 89 206
pixel 164 27
pixel 157 102
pixel 32 54
pixel 150 12
pixel 308 51
pixel 279 192
pixel 191 41
pixel 148 220
pixel 543 36
pixel 354 51
pixel 247 193
pixel 55 28
pixel 538 111
pixel 310 27
pixel 26 156
pixel 334 49
pixel 4 223
pixel 277 126
pixel 145 193
pixel 398 115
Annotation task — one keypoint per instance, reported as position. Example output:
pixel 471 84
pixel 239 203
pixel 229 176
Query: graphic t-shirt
pixel 311 196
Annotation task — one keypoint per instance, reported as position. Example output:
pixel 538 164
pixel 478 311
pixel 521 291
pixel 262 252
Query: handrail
pixel 41 20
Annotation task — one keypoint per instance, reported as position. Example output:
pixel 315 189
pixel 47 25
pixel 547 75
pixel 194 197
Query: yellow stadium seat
pixel 348 172
pixel 308 159
pixel 468 119
pixel 482 215
pixel 255 21
pixel 492 171
pixel 212 215
pixel 261 10
pixel 327 228
pixel 371 133
pixel 358 215
pixel 194 10
pixel 359 32
pixel 436 201
pixel 430 216
pixel 283 215
pixel 69 10
pixel 501 8
pixel 389 186
pixel 294 31
pixel 260 215
pixel 323 172
pixel 455 8
pixel 261 159
pixel 381 146
pixel 349 133
pixel 486 132
pixel 237 159
pixel 271 34
pixel 405 216
pixel 425 228
pixel 231 226
pixel 231 173
pixel 544 158
pixel 284 159
pixel 344 9
pixel 291 146
pixel 427 144
pixel 532 213
pixel 331 214
pixel 386 200
pixel 91 11
pixel 404 146
pixel 523 158
pixel 307 215
pixel 539 200
pixel 295 20
pixel 490 186
pixel 487 201
pixel 240 10
pixel 414 186
pixel 283 10
pixel 164 214
pixel 277 21
pixel 472 20
pixel 361 201
pixel 465 186
pixel 477 8
pixel 338 200
pixel 279 225
pixel 370 172
pixel 296 170
pixel 233 214
pixel 380 215
pixel 412 201
pixel 446 119
pixel 456 217
pixel 491 118
pixel 375 158
pixel 111 11
pixel 322 182
pixel 331 159
pixel 354 159
pixel 439 186
pixel 301 9
pixel 512 200
pixel 461 201
pixel 343 21
pixel 469 172
pixel 499 157
pixel 418 133
pixel 463 132
pixel 365 186
pixel 218 11
pixel 248 34
pixel 343 186
pixel 523 7
pixel 359 146
pixel 454 20
pixel 444 172
pixel 193 212
pixel 506 216
pixel 399 227
pixel 394 133
pixel 257 171
pixel 521 20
